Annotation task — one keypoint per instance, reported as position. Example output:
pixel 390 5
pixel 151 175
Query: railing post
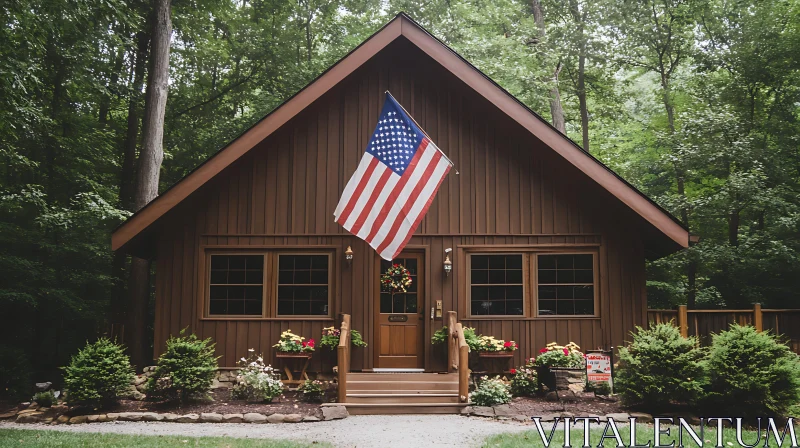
pixel 683 320
pixel 343 357
pixel 452 343
pixel 758 318
pixel 463 365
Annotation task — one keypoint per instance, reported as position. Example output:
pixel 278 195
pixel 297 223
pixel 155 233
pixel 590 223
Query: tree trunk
pixel 127 177
pixel 556 110
pixel 733 228
pixel 147 174
pixel 579 19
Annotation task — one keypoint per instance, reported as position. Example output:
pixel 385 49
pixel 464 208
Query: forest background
pixel 694 102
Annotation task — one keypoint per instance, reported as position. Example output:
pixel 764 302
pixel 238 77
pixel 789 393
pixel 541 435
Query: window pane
pixel 411 303
pixel 226 293
pixel 504 274
pixel 386 303
pixel 480 277
pixel 296 275
pixel 568 278
pixel 480 262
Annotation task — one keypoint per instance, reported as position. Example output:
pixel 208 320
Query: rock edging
pixel 50 416
pixel 505 412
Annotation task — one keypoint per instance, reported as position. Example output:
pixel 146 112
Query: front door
pixel 400 320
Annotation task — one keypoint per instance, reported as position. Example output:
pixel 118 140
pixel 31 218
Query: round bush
pixel 525 382
pixel 751 374
pixel 98 374
pixel 490 392
pixel 185 369
pixel 659 368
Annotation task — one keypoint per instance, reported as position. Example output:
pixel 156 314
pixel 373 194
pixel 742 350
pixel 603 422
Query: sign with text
pixel 598 367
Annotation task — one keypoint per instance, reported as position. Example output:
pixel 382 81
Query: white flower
pixel 251 350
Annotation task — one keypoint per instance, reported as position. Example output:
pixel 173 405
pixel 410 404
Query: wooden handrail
pixel 458 355
pixel 343 357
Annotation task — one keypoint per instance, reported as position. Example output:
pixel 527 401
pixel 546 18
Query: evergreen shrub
pixel 185 370
pixel 98 374
pixel 659 369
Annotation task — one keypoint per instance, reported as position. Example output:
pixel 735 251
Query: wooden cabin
pixel 548 244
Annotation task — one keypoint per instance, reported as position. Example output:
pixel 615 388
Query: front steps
pixel 402 393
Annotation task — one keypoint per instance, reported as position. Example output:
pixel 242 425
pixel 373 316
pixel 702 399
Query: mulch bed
pixel 587 404
pixel 222 403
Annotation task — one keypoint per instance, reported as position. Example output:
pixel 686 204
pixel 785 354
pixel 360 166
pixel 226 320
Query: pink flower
pixel 566 352
pixel 544 350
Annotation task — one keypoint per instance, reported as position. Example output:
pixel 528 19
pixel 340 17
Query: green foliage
pixel 440 336
pixel 659 368
pixel 15 373
pixel 751 374
pixel 185 370
pixel 312 390
pixel 525 382
pixel 490 391
pixel 330 338
pixel 45 399
pixel 98 374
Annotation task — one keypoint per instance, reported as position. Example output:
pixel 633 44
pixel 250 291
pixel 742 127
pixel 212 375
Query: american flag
pixel 394 184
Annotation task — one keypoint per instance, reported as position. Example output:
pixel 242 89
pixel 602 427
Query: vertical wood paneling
pixel 510 190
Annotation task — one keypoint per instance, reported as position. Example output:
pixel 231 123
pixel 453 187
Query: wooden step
pixel 410 399
pixel 401 408
pixel 448 386
pixel 372 376
pixel 351 391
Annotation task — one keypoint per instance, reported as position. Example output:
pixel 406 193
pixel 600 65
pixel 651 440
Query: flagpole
pixel 423 131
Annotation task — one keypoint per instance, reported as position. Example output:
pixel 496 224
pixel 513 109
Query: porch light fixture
pixel 448 265
pixel 348 255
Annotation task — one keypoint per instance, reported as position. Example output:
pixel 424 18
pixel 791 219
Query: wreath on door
pixel 396 279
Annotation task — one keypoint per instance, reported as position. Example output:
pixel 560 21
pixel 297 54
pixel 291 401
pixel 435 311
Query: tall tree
pixel 556 109
pixel 148 170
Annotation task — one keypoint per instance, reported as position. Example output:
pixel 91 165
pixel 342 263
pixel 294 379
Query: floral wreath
pixel 396 279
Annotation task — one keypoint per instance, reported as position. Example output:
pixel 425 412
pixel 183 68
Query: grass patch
pixel 53 438
pixel 644 434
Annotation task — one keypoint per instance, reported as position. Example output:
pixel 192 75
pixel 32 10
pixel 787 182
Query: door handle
pixel 432 311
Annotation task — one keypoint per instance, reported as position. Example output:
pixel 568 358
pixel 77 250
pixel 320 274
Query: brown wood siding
pixel 511 191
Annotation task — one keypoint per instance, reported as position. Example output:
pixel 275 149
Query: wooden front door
pixel 400 318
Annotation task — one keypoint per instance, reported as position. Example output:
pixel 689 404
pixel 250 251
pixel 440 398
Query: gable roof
pixel 404 26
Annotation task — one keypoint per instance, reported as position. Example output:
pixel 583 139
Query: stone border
pixel 504 412
pixel 57 415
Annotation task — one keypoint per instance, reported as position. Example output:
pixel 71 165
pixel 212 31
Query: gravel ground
pixel 362 431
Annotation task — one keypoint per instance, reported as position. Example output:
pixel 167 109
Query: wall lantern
pixel 448 265
pixel 348 255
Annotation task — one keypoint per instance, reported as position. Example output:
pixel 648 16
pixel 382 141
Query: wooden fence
pixel 703 323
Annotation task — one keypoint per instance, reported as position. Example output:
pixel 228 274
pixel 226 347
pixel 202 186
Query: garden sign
pixel 598 367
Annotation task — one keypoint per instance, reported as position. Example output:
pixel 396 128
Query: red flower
pixel 544 350
pixel 310 343
pixel 507 344
pixel 513 371
pixel 566 352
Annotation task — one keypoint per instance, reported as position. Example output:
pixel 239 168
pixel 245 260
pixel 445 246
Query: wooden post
pixel 758 318
pixel 343 357
pixel 463 365
pixel 452 343
pixel 683 320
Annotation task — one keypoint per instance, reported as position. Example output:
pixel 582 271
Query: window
pixel 236 285
pixel 566 284
pixel 303 285
pixel 268 284
pixel 496 286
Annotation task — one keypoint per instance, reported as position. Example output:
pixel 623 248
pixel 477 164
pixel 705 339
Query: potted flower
pixel 330 338
pixel 557 358
pixel 525 380
pixel 292 343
